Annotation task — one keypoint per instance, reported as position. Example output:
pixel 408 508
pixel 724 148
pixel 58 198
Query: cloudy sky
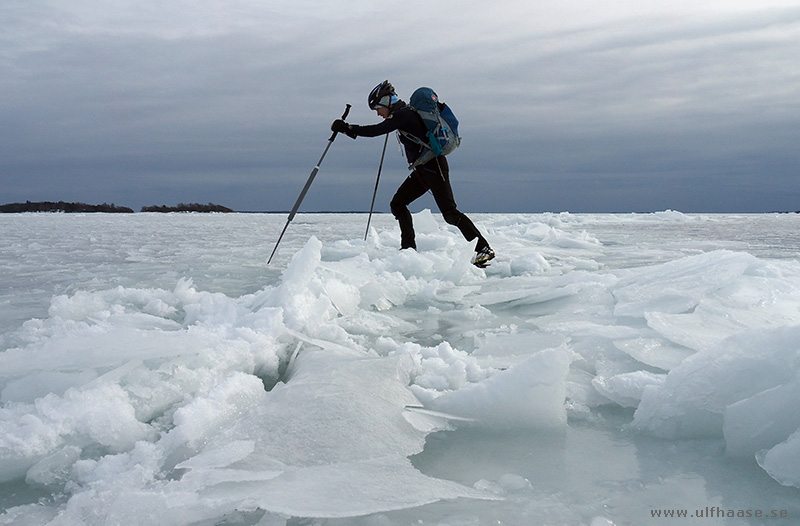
pixel 565 105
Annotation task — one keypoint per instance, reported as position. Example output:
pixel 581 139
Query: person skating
pixel 433 175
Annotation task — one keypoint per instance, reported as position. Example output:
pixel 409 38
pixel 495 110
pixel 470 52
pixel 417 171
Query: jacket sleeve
pixel 375 130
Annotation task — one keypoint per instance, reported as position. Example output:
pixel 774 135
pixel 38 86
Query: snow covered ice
pixel 155 370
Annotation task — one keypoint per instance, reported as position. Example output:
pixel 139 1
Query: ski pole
pixel 306 187
pixel 380 167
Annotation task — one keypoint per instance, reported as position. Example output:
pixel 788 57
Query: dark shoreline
pixel 71 208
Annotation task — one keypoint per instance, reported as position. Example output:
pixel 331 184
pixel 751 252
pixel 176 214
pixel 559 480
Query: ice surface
pixel 695 396
pixel 154 370
pixel 528 395
pixel 782 461
pixel 762 420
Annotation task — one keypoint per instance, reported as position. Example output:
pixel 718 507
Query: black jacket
pixel 402 118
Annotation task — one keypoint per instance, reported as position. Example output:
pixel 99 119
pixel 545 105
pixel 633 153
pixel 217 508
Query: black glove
pixel 339 126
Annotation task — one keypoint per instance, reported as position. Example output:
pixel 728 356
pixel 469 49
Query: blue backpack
pixel 441 123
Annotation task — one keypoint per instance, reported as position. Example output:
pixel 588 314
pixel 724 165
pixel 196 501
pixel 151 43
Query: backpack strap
pixel 426 155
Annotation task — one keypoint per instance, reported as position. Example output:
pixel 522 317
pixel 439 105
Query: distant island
pixel 61 206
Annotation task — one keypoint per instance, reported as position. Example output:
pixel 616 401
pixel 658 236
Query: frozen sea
pixel 605 370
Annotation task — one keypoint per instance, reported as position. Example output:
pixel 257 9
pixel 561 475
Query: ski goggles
pixel 386 101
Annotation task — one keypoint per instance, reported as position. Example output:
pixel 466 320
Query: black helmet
pixel 378 95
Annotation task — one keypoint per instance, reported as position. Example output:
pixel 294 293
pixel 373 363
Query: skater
pixel 433 175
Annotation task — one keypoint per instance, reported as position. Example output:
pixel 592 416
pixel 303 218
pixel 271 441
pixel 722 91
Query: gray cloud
pixel 597 112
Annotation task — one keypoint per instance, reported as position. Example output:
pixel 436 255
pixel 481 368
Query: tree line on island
pixel 61 206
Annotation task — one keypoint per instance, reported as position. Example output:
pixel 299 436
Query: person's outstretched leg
pixel 409 190
pixel 439 182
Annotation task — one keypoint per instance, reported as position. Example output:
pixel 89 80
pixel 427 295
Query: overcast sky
pixel 565 105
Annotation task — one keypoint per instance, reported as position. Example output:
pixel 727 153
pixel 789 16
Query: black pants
pixel 436 178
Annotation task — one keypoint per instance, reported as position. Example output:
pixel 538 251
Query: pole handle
pixel 344 116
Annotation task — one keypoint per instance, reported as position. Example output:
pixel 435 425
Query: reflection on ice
pixel 603 366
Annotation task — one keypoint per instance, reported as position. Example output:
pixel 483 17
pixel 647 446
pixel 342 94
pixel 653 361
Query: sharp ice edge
pixel 180 404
